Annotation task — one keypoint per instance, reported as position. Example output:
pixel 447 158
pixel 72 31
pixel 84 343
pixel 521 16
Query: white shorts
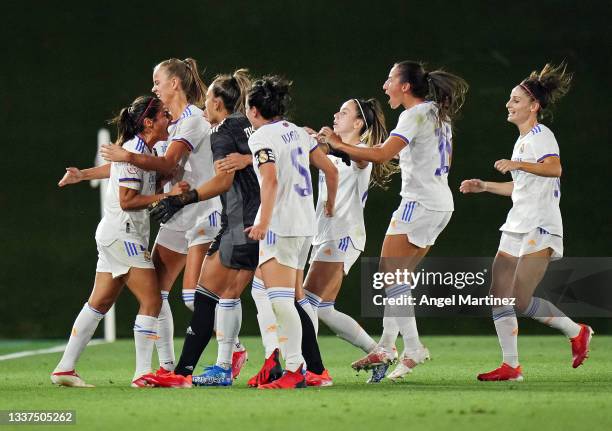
pixel 421 225
pixel 339 250
pixel 181 241
pixel 291 251
pixel 520 244
pixel 118 257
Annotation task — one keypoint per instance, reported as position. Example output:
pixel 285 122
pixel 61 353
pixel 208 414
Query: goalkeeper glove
pixel 164 209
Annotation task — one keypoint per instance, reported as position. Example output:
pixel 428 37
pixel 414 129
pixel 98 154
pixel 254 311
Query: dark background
pixel 69 66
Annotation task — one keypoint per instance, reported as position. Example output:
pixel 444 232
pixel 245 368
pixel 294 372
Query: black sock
pixel 199 331
pixel 310 347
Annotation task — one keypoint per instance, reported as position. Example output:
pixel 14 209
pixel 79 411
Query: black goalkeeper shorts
pixel 236 251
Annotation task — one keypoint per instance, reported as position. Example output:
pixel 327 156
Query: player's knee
pixel 151 306
pixel 522 303
pixel 101 305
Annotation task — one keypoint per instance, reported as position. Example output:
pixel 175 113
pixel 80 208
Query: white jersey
pixel 425 160
pixel 535 199
pixel 350 200
pixel 290 145
pixel 196 167
pixel 116 223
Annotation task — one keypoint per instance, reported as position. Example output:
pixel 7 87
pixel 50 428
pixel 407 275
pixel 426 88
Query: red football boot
pixel 270 371
pixel 323 379
pixel 580 345
pixel 239 358
pixel 289 380
pixel 169 380
pixel 505 372
pixel 162 371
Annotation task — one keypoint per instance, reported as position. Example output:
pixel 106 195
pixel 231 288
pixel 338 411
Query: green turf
pixel 13 346
pixel 442 394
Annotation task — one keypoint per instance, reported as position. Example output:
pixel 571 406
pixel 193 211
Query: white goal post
pixel 110 329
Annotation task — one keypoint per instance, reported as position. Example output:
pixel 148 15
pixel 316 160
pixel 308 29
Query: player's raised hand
pixel 114 153
pixel 330 137
pixel 504 166
pixel 472 186
pixel 72 176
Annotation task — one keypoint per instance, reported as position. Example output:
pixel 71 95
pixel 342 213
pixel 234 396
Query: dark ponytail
pixel 445 89
pixel 547 87
pixel 232 89
pixel 270 95
pixel 130 120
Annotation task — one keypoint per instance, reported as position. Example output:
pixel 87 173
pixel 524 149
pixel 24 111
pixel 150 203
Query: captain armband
pixel 263 156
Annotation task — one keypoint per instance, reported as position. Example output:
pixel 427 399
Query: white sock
pixel 265 317
pixel 188 298
pixel 145 334
pixel 313 299
pixel 410 334
pixel 305 304
pixel 391 323
pixel 165 335
pixel 345 327
pixel 228 321
pixel 238 310
pixel 289 325
pixel 545 312
pixel 506 327
pixel 83 329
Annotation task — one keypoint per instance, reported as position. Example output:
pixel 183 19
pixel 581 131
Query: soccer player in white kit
pixel 341 239
pixel 285 222
pixel 184 240
pixel 423 141
pixel 533 232
pixel 122 239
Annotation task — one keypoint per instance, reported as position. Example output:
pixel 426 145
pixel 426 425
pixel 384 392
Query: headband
pixel 145 111
pixel 362 114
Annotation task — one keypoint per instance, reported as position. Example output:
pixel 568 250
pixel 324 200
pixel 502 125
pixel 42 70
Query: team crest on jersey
pixel 522 148
pixel 132 169
pixel 285 124
pixel 146 255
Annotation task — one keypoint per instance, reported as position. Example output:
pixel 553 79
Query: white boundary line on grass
pixel 55 349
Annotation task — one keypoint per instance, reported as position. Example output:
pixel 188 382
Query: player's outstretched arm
pixel 165 209
pixel 547 167
pixel 479 186
pixel 377 154
pixel 131 200
pixel 320 161
pixel 165 164
pixel 76 175
pixel 234 162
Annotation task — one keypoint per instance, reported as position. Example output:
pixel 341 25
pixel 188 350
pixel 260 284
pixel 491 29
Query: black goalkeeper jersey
pixel 241 201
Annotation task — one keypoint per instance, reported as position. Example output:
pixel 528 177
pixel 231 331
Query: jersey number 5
pixel 302 191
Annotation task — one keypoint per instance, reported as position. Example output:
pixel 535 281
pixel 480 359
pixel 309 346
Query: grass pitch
pixel 442 394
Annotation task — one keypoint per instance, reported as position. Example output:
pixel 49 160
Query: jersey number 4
pixel 302 191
